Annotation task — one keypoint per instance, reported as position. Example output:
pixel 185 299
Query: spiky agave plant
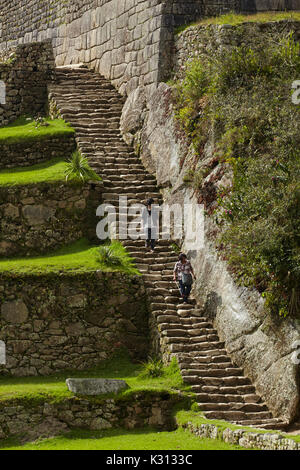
pixel 154 367
pixel 108 256
pixel 78 168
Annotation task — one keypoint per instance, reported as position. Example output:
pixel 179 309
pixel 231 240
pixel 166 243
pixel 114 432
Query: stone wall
pixel 25 72
pixel 48 419
pixel 31 152
pixel 38 218
pixel 206 39
pixel 52 322
pixel 130 42
pixel 242 438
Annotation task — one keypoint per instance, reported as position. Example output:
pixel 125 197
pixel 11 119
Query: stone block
pixel 95 386
pixel 14 312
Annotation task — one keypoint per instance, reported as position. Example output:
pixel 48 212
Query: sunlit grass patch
pixel 25 129
pixel 76 257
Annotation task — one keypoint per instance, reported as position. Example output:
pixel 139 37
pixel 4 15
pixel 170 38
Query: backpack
pixel 187 279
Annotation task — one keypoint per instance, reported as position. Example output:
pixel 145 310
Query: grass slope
pixel 76 257
pixel 51 171
pixel 24 130
pixel 236 19
pixel 123 439
pixel 119 367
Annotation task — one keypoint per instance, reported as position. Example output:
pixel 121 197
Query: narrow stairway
pixel 93 107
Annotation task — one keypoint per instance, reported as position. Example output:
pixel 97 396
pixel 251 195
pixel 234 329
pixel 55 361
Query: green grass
pixel 76 257
pixel 236 19
pixel 23 129
pixel 119 367
pixel 123 439
pixel 51 171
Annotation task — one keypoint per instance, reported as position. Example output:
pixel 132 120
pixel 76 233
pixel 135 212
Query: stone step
pixel 224 376
pixel 195 348
pixel 229 398
pixel 234 406
pixel 211 372
pixel 229 381
pixel 271 423
pixel 236 416
pixel 227 390
pixel 92 105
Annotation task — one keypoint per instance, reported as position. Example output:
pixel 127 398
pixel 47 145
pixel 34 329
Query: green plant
pixel 108 256
pixel 247 107
pixel 40 121
pixel 154 367
pixel 78 168
pixel 175 247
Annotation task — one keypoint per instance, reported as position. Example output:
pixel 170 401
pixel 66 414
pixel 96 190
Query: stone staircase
pixel 93 107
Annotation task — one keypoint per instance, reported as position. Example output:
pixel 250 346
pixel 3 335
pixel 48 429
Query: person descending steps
pixel 184 274
pixel 93 107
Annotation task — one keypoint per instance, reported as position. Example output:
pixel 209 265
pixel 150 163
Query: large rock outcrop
pixel 262 345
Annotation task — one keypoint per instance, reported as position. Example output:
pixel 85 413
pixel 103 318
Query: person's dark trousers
pixel 185 290
pixel 150 241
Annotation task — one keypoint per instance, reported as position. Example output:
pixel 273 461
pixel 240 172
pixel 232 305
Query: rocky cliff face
pixel 262 345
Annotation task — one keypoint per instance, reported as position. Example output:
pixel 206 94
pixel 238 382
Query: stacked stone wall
pixel 30 152
pixel 25 70
pixel 46 419
pixel 130 42
pixel 52 322
pixel 38 218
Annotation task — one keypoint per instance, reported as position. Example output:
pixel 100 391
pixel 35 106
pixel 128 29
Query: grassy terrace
pixel 236 19
pixel 76 257
pixel 24 129
pixel 47 172
pixel 122 439
pixel 119 367
pixel 34 390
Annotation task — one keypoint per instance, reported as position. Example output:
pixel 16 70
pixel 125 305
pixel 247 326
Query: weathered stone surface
pixel 259 344
pixel 59 323
pixel 243 438
pixel 25 72
pixel 49 419
pixel 133 115
pixel 37 214
pixel 38 217
pixel 95 386
pixel 37 151
pixel 14 312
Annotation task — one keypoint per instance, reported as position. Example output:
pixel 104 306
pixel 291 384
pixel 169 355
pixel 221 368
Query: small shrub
pixel 78 168
pixel 152 368
pixel 108 256
pixel 175 247
pixel 40 121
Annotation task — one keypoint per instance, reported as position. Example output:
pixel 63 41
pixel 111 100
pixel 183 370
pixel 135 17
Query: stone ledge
pixel 243 438
pixel 47 419
pixel 96 386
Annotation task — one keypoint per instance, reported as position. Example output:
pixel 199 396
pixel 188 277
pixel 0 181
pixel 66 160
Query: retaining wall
pixel 130 42
pixel 25 71
pixel 38 218
pixel 52 322
pixel 31 152
pixel 48 419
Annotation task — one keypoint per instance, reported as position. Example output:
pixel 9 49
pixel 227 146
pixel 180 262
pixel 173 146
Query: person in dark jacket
pixel 150 218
